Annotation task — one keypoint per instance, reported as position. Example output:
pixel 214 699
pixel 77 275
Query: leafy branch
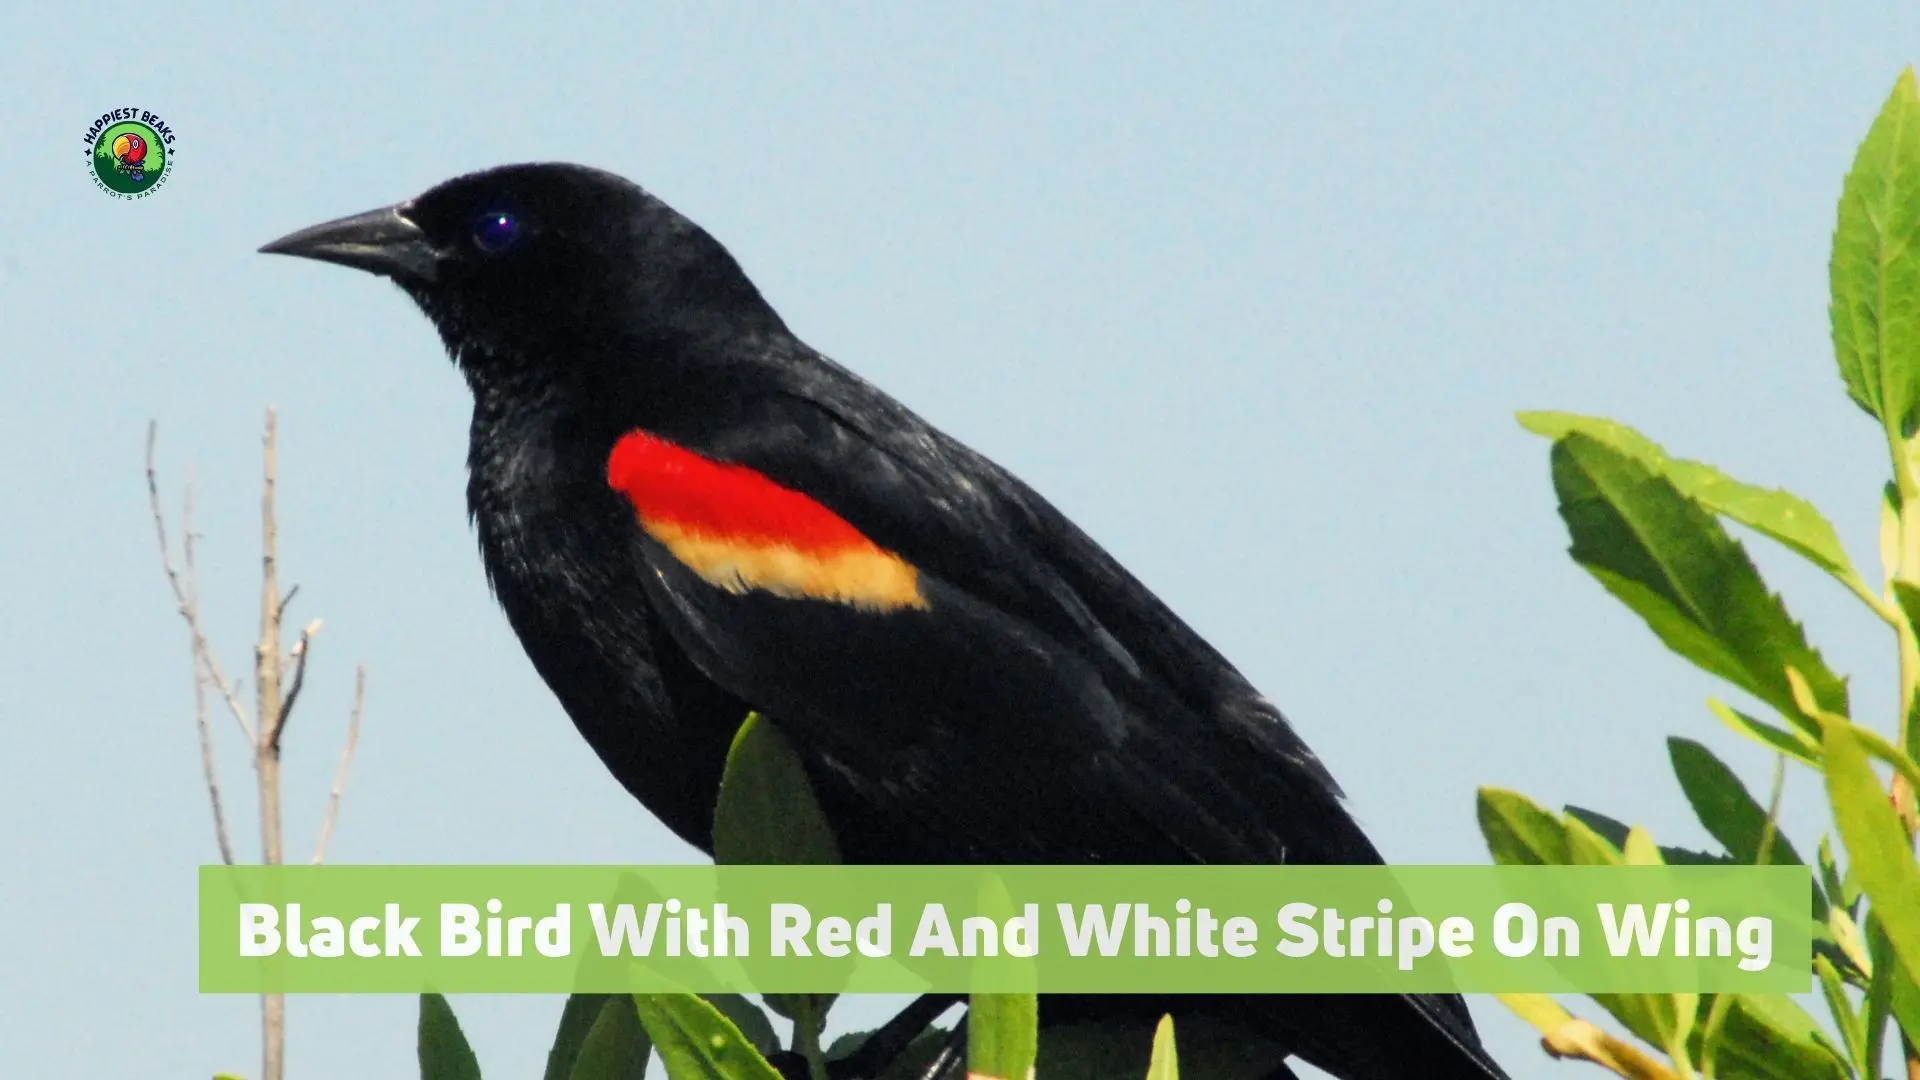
pixel 1651 529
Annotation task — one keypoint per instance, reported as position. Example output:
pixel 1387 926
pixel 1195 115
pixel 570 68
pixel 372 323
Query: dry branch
pixel 188 602
pixel 299 656
pixel 274 699
pixel 340 771
pixel 205 729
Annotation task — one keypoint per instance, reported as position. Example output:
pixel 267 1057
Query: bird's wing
pixel 974 679
pixel 1021 651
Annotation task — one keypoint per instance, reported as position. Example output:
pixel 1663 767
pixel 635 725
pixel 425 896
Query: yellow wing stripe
pixel 863 577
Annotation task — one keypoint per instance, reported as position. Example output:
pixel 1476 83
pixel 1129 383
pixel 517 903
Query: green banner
pixel 1055 929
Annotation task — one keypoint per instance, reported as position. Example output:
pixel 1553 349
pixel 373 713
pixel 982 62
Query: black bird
pixel 687 514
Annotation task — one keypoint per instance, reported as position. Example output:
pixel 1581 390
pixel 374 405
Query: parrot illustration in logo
pixel 130 151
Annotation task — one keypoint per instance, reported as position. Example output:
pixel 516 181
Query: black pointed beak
pixel 382 241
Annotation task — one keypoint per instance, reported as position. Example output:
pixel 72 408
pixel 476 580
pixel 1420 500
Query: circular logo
pixel 131 152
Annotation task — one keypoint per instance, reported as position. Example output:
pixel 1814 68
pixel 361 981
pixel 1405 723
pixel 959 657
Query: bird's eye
pixel 495 232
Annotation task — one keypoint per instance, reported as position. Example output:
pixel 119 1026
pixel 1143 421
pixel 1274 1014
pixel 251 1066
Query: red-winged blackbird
pixel 688 513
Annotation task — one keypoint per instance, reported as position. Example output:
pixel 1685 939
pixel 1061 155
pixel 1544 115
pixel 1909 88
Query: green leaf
pixel 1875 270
pixel 444 1053
pixel 1002 1035
pixel 1878 746
pixel 1519 832
pixel 1894 992
pixel 1842 889
pixel 1674 564
pixel 748 1017
pixel 1906 1002
pixel 1104 1050
pixel 1722 803
pixel 1853 1034
pixel 846 1043
pixel 809 1015
pixel 1791 743
pixel 1650 1017
pixel 616 1047
pixel 1165 1063
pixel 913 1061
pixel 1785 517
pixel 1903 998
pixel 794 1006
pixel 1588 848
pixel 576 1019
pixel 1614 831
pixel 1768 1037
pixel 1660 1019
pixel 767 813
pixel 697 1042
pixel 1839 938
pixel 1878 851
pixel 1908 596
pixel 1890 503
pixel 1640 850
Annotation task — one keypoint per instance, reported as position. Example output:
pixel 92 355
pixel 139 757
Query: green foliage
pixel 616 1047
pixel 1768 1037
pixel 1520 833
pixel 749 1018
pixel 1002 1035
pixel 1875 271
pixel 697 1042
pixel 1759 1033
pixel 912 1062
pixel 1881 848
pixel 1164 1065
pixel 576 1020
pixel 766 814
pixel 444 1053
pixel 1724 806
pixel 1650 528
pixel 1795 744
pixel 1667 558
pixel 1781 515
pixel 1615 832
pixel 1894 993
pixel 1208 1048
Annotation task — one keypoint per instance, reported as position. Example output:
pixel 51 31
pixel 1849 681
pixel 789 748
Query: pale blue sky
pixel 1251 291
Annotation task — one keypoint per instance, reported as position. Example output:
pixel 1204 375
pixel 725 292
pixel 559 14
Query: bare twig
pixel 189 604
pixel 300 650
pixel 285 601
pixel 271 710
pixel 220 834
pixel 346 762
pixel 277 682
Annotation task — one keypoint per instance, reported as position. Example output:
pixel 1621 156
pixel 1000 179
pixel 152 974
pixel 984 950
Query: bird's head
pixel 536 259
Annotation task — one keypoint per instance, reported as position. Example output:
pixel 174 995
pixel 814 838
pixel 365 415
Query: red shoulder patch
pixel 740 530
